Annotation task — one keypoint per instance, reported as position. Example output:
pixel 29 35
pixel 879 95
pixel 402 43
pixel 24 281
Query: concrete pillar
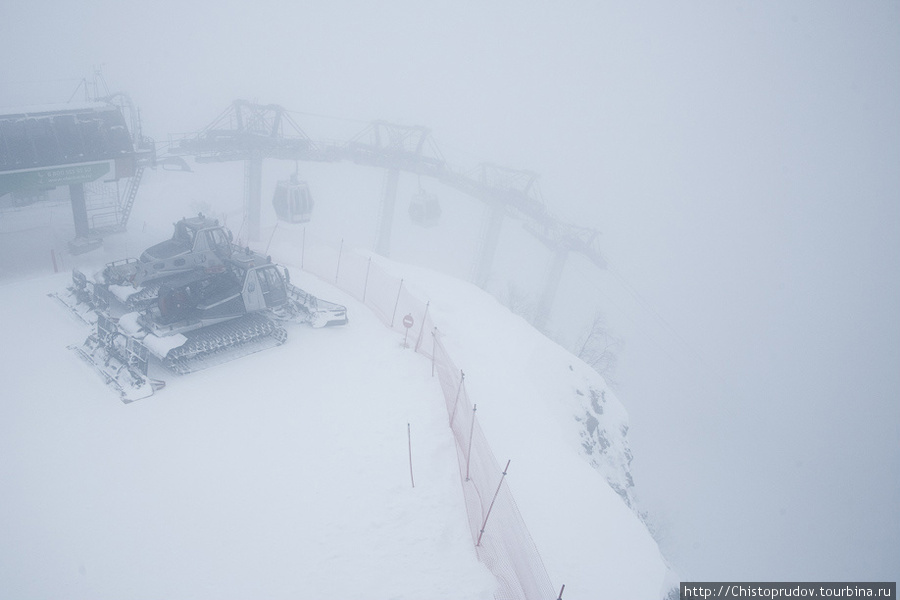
pixel 79 210
pixel 551 285
pixel 487 244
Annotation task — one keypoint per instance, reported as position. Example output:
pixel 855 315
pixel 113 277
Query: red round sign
pixel 408 321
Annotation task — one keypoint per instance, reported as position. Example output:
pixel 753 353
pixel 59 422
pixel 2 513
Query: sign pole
pixel 407 323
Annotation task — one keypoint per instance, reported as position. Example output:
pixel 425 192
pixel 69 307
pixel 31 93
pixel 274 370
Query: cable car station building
pixel 72 145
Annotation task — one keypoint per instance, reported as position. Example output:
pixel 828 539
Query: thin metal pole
pixel 469 450
pixel 483 525
pixel 409 439
pixel 397 303
pixel 433 348
pixel 338 269
pixel 422 327
pixel 560 592
pixel 366 283
pixel 462 377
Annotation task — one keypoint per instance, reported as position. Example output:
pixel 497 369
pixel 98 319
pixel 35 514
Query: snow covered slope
pixel 285 474
pixel 282 475
pixel 564 431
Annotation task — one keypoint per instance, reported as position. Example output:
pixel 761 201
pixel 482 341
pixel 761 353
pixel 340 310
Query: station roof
pixel 56 135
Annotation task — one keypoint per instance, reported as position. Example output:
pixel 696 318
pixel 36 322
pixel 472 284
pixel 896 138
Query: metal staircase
pixel 130 194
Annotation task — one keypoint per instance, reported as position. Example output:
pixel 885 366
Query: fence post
pixel 484 524
pixel 462 377
pixel 53 258
pixel 366 283
pixel 433 348
pixel 337 270
pixel 469 450
pixel 422 327
pixel 409 440
pixel 397 303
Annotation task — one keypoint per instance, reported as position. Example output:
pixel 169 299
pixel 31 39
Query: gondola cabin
pixel 292 201
pixel 424 209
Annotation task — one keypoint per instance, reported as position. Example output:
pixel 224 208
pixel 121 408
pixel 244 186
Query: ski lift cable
pixel 45 81
pixel 638 301
pixel 633 319
pixel 321 116
pixel 696 361
pixel 81 82
pixel 707 373
pixel 644 306
pixel 643 303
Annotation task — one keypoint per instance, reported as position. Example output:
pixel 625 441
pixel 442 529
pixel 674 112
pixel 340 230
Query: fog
pixel 742 161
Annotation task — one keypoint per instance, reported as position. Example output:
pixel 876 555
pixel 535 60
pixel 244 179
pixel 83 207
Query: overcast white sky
pixel 742 160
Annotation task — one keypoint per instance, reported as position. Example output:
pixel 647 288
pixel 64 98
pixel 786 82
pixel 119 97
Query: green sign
pixel 51 177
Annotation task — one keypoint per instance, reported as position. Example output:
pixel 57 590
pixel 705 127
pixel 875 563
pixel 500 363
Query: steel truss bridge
pixel 252 132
